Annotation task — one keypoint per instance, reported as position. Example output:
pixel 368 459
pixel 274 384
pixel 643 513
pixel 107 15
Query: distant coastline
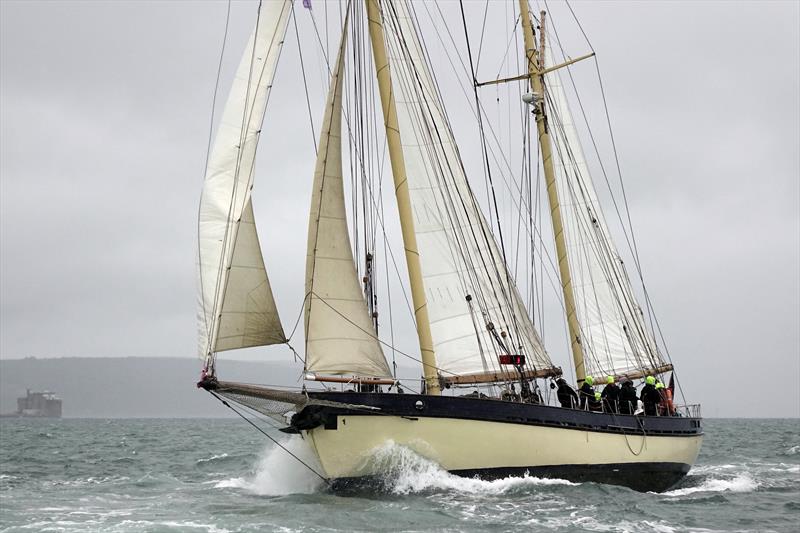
pixel 152 387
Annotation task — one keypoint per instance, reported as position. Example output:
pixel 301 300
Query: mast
pixel 536 69
pixel 403 198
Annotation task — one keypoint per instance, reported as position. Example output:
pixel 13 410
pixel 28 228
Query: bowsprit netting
pixel 276 404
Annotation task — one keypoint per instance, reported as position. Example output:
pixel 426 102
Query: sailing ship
pixel 474 326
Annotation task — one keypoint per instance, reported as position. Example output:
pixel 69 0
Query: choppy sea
pixel 222 476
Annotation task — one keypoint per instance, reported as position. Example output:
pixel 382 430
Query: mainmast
pixel 536 68
pixel 403 198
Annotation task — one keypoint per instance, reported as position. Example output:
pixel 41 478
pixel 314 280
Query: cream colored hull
pixel 474 445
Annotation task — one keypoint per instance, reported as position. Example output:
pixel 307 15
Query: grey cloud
pixel 105 112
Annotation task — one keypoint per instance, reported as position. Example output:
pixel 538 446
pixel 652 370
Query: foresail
pixel 249 316
pixel 340 335
pixel 459 255
pixel 236 307
pixel 614 337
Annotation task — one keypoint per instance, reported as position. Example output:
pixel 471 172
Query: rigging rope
pixel 305 82
pixel 275 441
pixel 466 243
pixel 553 270
pixel 208 156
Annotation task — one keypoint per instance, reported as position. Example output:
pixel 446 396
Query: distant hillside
pixel 132 386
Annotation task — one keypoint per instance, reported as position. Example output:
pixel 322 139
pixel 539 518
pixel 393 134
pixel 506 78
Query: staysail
pixel 236 306
pixel 475 309
pixel 340 335
pixel 613 333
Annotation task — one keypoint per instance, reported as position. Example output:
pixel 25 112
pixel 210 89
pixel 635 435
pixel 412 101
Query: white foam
pixel 740 483
pixel 590 523
pixel 278 473
pixel 129 525
pixel 714 468
pixel 89 481
pixel 783 467
pixel 407 472
pixel 794 450
pixel 211 528
pixel 212 458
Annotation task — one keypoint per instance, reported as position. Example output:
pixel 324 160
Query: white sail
pixel 458 253
pixel 613 334
pixel 236 307
pixel 340 335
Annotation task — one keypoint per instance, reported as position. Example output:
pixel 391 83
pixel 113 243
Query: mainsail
pixel 236 306
pixel 475 309
pixel 340 335
pixel 613 333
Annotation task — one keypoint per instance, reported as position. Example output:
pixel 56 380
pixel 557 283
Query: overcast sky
pixel 105 110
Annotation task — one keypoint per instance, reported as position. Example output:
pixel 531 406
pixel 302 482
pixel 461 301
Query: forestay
pixel 236 306
pixel 458 253
pixel 613 334
pixel 340 334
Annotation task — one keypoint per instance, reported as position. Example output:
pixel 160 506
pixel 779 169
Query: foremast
pixel 536 68
pixel 376 34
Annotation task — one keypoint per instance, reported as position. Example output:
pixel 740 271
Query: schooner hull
pixel 352 446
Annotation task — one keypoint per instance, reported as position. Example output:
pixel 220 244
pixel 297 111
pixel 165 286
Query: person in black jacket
pixel 610 396
pixel 566 395
pixel 586 392
pixel 627 398
pixel 650 396
pixel 596 403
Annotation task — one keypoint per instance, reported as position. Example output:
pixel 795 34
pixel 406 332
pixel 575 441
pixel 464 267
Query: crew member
pixel 670 406
pixel 566 395
pixel 586 392
pixel 650 396
pixel 611 396
pixel 665 402
pixel 627 398
pixel 596 403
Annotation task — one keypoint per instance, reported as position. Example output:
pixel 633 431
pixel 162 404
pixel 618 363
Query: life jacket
pixel 668 402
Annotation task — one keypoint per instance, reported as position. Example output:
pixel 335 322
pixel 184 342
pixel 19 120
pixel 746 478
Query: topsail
pixel 236 306
pixel 613 334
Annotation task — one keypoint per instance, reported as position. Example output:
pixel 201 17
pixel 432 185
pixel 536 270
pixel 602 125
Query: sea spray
pixel 404 471
pixel 738 483
pixel 277 473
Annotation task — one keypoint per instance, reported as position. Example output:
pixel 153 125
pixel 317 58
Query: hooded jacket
pixel 627 398
pixel 566 395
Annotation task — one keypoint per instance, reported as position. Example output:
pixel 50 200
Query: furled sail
pixel 459 255
pixel 614 336
pixel 340 335
pixel 236 306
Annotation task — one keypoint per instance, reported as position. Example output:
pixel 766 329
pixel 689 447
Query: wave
pixel 406 472
pixel 279 474
pixel 783 467
pixel 739 483
pixel 211 528
pixel 212 458
pixel 185 525
pixel 88 481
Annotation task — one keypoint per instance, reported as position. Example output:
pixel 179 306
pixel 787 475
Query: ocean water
pixel 222 476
